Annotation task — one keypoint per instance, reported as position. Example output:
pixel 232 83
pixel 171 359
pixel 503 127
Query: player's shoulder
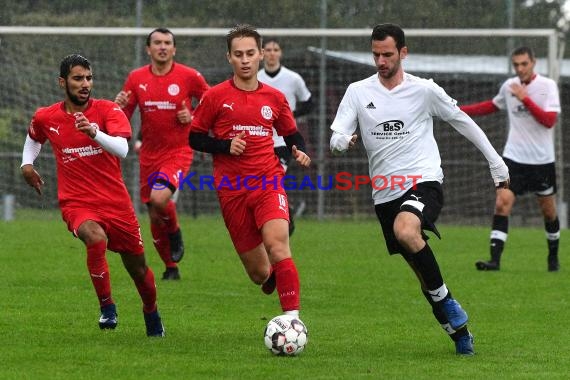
pixel 184 69
pixel 140 71
pixel 46 112
pixel 370 81
pixel 290 73
pixel 543 79
pixel 104 106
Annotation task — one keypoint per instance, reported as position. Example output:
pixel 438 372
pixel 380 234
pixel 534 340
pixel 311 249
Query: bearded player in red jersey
pixel 163 91
pixel 87 137
pixel 234 121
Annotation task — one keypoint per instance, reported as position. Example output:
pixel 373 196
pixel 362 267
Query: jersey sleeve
pixel 302 93
pixel 346 119
pixel 132 104
pixel 116 122
pixel 441 104
pixel 200 86
pixel 285 124
pixel 35 129
pixel 203 117
pixel 553 98
pixel 499 100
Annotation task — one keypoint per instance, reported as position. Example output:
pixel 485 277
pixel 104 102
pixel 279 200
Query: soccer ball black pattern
pixel 286 335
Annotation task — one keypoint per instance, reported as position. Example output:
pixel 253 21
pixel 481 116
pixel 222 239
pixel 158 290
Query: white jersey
pixel 528 141
pixel 292 85
pixel 396 127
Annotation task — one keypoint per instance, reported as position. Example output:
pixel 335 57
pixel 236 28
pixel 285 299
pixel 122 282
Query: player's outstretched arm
pixel 468 128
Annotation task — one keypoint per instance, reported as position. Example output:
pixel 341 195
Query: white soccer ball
pixel 286 335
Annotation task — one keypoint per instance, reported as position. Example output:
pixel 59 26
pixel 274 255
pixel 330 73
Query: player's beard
pixel 389 73
pixel 74 99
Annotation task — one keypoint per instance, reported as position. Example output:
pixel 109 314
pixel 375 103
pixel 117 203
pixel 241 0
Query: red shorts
pixel 121 226
pixel 169 170
pixel 246 213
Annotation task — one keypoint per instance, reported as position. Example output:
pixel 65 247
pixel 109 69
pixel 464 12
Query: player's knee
pixel 407 236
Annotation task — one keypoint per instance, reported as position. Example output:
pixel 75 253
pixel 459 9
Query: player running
pixel 235 122
pixel 163 91
pixel 394 111
pixel 88 136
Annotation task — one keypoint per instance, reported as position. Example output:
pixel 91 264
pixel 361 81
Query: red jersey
pixel 87 175
pixel 226 111
pixel 159 98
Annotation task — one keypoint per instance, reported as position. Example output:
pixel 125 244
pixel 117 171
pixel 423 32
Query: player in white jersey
pixel 533 104
pixel 394 111
pixel 298 96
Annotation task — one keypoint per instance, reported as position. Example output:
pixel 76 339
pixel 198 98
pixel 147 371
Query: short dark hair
pixel 524 50
pixel 383 31
pixel 269 41
pixel 243 30
pixel 160 30
pixel 70 62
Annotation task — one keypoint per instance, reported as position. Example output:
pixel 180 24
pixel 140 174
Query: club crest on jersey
pixel 266 112
pixel 173 89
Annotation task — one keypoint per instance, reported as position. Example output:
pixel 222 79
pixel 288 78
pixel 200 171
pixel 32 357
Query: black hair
pixel 161 30
pixel 524 50
pixel 270 40
pixel 383 31
pixel 70 62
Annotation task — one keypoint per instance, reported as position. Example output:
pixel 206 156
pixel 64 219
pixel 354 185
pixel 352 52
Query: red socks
pixel 99 272
pixel 170 217
pixel 147 291
pixel 162 244
pixel 288 287
pixel 160 233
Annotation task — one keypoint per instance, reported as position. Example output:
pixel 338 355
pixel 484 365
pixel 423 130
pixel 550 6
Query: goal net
pixel 469 64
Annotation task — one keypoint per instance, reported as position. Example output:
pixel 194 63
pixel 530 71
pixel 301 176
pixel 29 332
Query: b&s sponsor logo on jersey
pixel 173 89
pixel 391 129
pixel 266 112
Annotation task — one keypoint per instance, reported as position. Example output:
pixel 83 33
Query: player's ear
pixel 61 82
pixel 228 57
pixel 403 52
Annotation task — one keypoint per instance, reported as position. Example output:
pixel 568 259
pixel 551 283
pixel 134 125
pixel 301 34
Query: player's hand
pixel 500 174
pixel 183 114
pixel 122 98
pixel 32 178
pixel 238 144
pixel 301 157
pixel 519 91
pixel 83 125
pixel 352 141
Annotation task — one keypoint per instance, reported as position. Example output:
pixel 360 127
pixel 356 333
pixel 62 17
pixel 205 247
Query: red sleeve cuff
pixel 548 119
pixel 478 109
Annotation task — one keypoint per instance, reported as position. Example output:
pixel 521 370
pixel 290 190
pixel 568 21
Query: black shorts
pixel 284 155
pixel 538 179
pixel 425 201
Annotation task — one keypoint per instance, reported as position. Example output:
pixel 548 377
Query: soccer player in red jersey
pixel 88 138
pixel 163 91
pixel 234 122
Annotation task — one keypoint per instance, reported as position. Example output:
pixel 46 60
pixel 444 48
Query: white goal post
pixel 327 75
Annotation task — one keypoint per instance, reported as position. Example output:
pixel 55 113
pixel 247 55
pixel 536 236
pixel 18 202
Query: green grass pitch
pixel 365 314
